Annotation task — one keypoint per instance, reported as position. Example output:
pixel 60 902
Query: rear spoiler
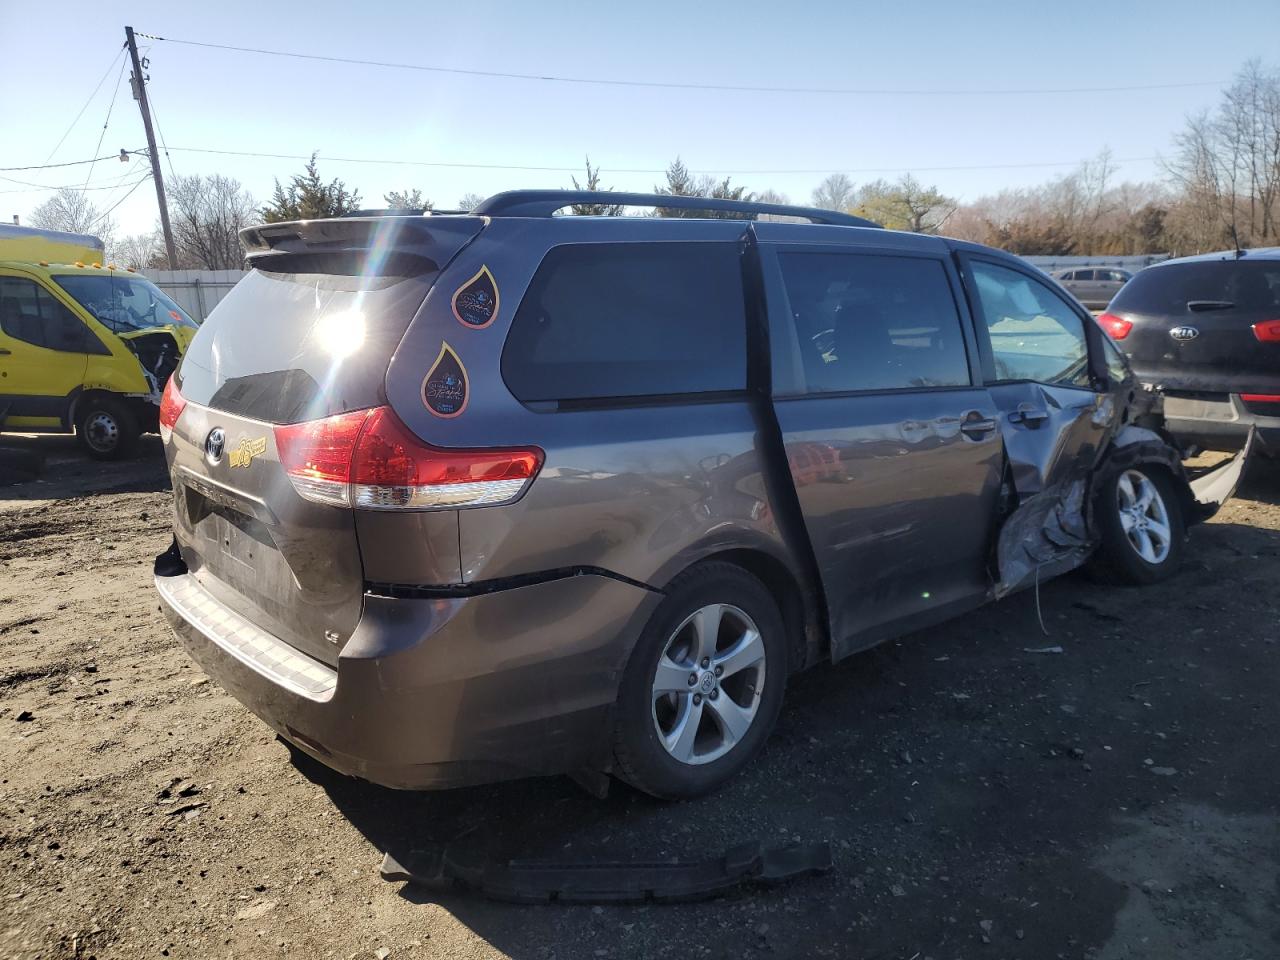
pixel 377 246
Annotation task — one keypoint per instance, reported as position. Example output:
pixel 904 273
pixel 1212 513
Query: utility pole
pixel 140 94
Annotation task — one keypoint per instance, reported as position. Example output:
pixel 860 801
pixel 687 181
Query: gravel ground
pixel 1117 800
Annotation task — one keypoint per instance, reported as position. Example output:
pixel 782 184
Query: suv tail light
pixel 370 460
pixel 1117 327
pixel 172 403
pixel 1268 331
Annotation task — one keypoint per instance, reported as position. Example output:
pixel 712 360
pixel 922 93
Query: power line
pixel 106 73
pixel 103 215
pixel 110 106
pixel 34 187
pixel 51 166
pixel 676 85
pixel 156 116
pixel 743 172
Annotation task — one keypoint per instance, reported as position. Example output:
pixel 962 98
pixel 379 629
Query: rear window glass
pixel 287 347
pixel 618 320
pixel 874 323
pixel 1252 286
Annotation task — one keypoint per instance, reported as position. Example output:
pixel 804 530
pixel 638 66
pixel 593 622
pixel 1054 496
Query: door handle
pixel 5 353
pixel 1032 416
pixel 977 427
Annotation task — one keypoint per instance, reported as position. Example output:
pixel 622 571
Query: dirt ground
pixel 1115 801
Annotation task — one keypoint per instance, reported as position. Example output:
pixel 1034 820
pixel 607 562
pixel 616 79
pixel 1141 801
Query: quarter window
pixel 874 322
pixel 31 314
pixel 620 320
pixel 1034 333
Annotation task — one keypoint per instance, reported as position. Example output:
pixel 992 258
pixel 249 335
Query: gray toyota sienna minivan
pixel 466 497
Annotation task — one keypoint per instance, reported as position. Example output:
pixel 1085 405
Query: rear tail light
pixel 172 403
pixel 1260 397
pixel 1117 327
pixel 369 459
pixel 1268 331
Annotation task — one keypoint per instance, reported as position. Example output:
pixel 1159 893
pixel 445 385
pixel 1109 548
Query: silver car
pixel 1093 286
pixel 462 498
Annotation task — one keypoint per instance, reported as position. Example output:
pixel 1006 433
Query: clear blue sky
pixel 54 54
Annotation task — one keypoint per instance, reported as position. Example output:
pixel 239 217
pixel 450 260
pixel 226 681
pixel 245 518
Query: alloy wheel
pixel 707 686
pixel 1143 516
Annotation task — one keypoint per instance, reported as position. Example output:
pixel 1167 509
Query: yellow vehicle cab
pixel 83 347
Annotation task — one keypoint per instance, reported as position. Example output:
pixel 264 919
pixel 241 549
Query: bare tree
pixel 70 209
pixel 139 251
pixel 834 193
pixel 208 214
pixel 470 201
pixel 1227 164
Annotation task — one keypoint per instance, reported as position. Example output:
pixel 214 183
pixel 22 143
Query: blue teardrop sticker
pixel 444 388
pixel 475 303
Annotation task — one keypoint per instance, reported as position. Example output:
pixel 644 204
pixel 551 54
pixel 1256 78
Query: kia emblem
pixel 1183 334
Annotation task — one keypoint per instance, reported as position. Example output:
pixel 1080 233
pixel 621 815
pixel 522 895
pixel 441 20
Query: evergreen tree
pixel 307 197
pixel 594 209
pixel 406 200
pixel 681 183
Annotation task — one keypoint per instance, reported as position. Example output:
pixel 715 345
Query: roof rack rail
pixel 544 203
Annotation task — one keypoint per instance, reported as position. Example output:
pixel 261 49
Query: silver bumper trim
pixel 252 646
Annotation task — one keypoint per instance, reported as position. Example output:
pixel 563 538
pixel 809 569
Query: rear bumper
pixel 1220 423
pixel 435 693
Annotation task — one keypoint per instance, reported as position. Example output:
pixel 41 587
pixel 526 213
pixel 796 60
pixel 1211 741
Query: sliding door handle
pixel 977 427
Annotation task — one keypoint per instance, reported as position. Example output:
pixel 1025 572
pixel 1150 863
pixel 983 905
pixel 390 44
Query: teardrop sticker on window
pixel 475 303
pixel 444 389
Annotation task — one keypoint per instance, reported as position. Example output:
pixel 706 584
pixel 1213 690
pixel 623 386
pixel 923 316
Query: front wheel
pixel 1139 516
pixel 106 428
pixel 704 684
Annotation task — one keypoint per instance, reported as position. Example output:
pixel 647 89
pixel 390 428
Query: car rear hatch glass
pixel 307 335
pixel 1193 325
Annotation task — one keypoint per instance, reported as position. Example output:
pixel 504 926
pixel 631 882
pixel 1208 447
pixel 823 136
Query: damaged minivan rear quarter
pixel 461 498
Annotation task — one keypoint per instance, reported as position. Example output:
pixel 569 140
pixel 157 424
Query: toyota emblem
pixel 1183 334
pixel 214 444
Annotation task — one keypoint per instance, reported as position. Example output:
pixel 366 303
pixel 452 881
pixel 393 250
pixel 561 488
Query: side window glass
pixel 31 314
pixel 1035 334
pixel 618 320
pixel 874 323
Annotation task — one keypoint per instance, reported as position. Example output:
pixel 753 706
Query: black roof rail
pixel 544 203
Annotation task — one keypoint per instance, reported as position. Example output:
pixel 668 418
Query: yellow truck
pixel 84 346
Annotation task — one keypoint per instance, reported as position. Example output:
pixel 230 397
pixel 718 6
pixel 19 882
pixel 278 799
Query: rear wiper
pixel 1201 306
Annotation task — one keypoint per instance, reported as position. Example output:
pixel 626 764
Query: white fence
pixel 196 291
pixel 1132 264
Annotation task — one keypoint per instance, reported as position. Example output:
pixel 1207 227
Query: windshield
pixel 123 302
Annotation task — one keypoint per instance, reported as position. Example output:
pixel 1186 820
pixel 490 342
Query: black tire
pixel 641 759
pixel 106 428
pixel 1117 559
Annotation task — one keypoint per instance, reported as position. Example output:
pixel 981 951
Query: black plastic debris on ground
pixel 544 881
